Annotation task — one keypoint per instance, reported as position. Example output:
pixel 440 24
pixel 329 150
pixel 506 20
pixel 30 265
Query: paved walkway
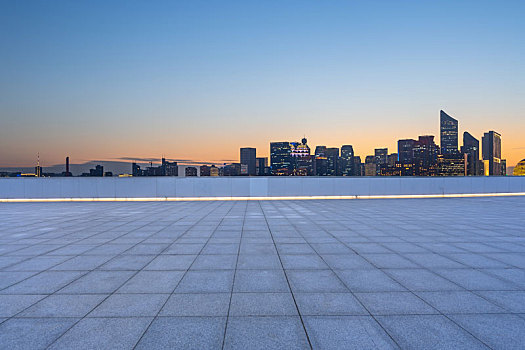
pixel 333 274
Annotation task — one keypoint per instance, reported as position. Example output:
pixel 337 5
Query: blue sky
pixel 199 79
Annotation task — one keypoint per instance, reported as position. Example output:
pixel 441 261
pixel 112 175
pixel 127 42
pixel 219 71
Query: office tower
pixel 280 158
pixel 347 160
pixel 491 150
pixel 392 159
pixel 261 166
pixel 370 166
pixel 405 151
pixel 169 168
pixel 248 156
pixel 332 161
pixel 320 161
pixel 204 170
pixel 302 161
pixel 471 149
pixel 381 158
pixel 425 156
pixel 358 166
pixel 452 164
pixel 448 134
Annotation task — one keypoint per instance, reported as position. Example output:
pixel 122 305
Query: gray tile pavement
pixel 352 274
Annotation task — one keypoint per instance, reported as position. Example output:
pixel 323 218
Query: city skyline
pixel 196 82
pixel 413 157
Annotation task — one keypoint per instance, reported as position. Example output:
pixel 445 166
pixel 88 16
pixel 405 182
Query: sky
pixel 197 80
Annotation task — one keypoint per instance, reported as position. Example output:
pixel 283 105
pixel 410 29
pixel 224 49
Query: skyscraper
pixel 381 158
pixel 347 160
pixel 471 149
pixel 425 156
pixel 491 150
pixel 448 134
pixel 405 151
pixel 321 162
pixel 332 161
pixel 280 158
pixel 302 159
pixel 248 156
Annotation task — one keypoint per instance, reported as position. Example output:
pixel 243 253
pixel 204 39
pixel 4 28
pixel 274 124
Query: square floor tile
pixel 272 332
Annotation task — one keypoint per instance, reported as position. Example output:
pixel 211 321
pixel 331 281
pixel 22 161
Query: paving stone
pixel 272 332
pixel 152 282
pixel 208 304
pixel 10 305
pixel 262 304
pixel 326 304
pixel 499 331
pixel 215 281
pixel 32 333
pixel 459 302
pixel 63 305
pixel 130 305
pixel 260 281
pixel 103 333
pixel 184 333
pixel 346 332
pixel 428 332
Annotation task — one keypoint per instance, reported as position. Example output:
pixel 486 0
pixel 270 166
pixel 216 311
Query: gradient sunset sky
pixel 198 79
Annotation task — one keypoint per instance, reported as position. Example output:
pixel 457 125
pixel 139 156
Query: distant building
pixel 280 158
pixel 381 159
pixel 491 150
pixel 233 169
pixel 347 160
pixel 370 166
pixel 503 167
pixel 98 171
pixel 205 170
pixel 358 169
pixel 190 171
pixel 392 159
pixel 425 156
pixel 320 161
pixel 448 134
pixel 405 151
pixel 302 160
pixel 519 169
pixel 332 161
pixel 451 164
pixel 214 171
pixel 471 149
pixel 248 158
pixel 261 166
pixel 166 168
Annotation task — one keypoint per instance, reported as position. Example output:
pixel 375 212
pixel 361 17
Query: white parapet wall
pixel 173 188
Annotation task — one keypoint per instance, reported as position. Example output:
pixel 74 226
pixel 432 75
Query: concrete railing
pixel 207 187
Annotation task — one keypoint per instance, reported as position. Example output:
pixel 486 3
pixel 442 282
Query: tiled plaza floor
pixel 332 274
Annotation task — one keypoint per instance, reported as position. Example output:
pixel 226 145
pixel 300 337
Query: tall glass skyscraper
pixel 347 160
pixel 491 151
pixel 471 149
pixel 448 134
pixel 281 158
